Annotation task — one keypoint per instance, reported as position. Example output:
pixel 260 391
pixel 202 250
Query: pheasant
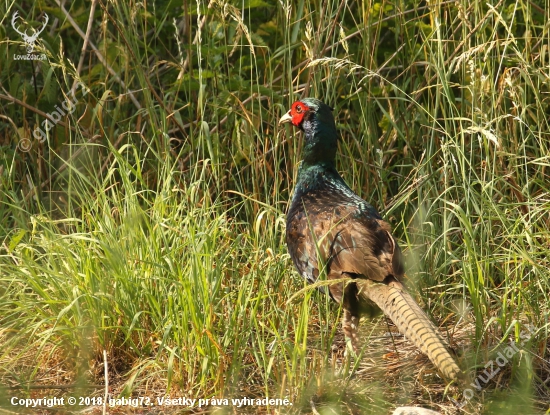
pixel 331 230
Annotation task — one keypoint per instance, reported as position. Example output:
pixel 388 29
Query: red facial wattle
pixel 297 111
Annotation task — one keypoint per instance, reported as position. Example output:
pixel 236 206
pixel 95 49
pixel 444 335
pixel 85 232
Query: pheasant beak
pixel 285 118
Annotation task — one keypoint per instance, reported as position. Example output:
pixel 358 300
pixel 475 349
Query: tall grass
pixel 150 222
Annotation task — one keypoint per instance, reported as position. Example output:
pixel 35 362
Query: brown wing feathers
pixel 377 255
pixel 366 251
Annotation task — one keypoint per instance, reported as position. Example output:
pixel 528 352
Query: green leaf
pixel 16 239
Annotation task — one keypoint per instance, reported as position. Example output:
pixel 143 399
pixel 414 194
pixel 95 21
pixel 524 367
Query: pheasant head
pixel 315 119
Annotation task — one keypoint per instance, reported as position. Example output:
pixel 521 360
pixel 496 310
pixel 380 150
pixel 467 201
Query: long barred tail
pixel 411 321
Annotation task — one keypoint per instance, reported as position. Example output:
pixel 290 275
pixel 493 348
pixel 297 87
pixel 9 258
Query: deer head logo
pixel 29 40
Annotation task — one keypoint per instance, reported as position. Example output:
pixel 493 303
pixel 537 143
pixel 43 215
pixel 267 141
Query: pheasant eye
pixel 298 109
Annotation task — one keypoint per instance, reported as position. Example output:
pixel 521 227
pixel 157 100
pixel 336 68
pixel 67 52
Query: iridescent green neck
pixel 320 143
